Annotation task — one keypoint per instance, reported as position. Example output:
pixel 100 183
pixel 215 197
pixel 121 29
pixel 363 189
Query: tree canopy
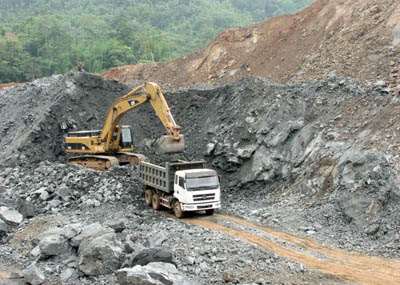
pixel 43 37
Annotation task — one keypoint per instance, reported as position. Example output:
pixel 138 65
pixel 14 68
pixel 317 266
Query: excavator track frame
pixel 129 158
pixel 106 162
pixel 95 162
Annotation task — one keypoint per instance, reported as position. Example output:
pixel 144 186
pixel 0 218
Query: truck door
pixel 179 187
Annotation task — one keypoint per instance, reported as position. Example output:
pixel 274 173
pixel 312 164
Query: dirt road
pixel 357 268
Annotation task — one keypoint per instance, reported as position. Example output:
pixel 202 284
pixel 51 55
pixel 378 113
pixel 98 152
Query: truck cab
pixel 197 190
pixel 183 186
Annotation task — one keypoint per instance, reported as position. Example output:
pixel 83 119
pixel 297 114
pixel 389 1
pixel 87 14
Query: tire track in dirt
pixel 358 268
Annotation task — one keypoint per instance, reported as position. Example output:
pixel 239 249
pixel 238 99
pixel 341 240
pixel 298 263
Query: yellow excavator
pixel 113 144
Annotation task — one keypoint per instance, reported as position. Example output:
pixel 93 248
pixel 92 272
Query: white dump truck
pixel 181 186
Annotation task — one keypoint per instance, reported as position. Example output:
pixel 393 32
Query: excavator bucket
pixel 167 144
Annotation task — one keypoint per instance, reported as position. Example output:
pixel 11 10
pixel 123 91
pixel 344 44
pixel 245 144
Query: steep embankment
pixel 359 39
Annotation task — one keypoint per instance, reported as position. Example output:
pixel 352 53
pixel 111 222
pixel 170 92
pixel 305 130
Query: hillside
pixel 359 39
pixel 43 37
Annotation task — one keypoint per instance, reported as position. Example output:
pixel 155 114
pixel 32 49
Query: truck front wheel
pixel 148 197
pixel 178 210
pixel 156 202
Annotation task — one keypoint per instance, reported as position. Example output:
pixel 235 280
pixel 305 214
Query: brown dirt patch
pixel 354 38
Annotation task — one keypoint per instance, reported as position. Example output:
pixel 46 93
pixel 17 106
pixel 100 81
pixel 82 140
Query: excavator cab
pixel 126 140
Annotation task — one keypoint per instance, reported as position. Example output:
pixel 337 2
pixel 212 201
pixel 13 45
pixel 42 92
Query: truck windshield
pixel 202 183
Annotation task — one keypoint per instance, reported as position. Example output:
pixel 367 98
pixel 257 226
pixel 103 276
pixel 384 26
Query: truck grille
pixel 204 207
pixel 203 197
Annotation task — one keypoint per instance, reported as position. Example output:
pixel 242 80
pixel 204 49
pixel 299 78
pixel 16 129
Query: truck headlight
pixel 189 207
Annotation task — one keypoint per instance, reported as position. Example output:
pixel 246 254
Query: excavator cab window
pixel 126 137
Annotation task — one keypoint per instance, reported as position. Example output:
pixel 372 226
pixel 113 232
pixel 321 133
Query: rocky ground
pixel 317 159
pixel 79 226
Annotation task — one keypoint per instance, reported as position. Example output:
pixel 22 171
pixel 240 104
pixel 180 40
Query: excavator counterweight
pixel 113 144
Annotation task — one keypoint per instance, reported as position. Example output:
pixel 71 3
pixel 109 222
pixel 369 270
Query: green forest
pixel 44 37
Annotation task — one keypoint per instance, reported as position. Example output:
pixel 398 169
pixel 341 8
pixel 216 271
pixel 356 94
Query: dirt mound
pixel 7 85
pixel 359 39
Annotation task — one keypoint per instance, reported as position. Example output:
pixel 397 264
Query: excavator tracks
pixel 105 162
pixel 347 266
pixel 95 162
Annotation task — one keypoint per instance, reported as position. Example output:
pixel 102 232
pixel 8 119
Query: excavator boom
pixel 149 92
pixel 113 139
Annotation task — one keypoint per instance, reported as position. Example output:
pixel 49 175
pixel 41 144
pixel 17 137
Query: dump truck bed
pixel 162 177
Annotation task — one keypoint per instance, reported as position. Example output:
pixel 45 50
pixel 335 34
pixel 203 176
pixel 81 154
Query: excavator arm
pixel 148 92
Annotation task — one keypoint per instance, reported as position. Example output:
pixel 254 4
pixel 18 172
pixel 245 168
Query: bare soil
pixel 361 269
pixel 359 39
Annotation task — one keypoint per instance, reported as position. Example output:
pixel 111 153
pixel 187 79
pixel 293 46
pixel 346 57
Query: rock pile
pixel 98 250
pixel 55 186
pixel 36 115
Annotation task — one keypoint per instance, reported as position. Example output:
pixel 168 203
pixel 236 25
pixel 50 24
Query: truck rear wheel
pixel 178 210
pixel 148 197
pixel 210 212
pixel 156 202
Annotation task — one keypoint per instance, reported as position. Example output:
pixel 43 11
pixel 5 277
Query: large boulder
pixel 53 245
pixel 33 275
pixel 89 232
pixel 156 273
pixel 26 208
pixel 68 232
pixel 10 216
pixel 263 166
pixel 150 255
pixel 100 255
pixel 367 185
pixel 118 225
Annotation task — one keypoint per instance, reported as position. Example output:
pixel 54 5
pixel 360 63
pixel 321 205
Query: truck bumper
pixel 200 207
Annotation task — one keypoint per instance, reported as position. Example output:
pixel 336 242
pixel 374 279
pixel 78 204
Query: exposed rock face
pixel 156 273
pixel 100 255
pixel 366 185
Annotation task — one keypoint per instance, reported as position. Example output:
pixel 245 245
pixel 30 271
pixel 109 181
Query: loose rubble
pixel 156 273
pixel 316 159
pixel 33 275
